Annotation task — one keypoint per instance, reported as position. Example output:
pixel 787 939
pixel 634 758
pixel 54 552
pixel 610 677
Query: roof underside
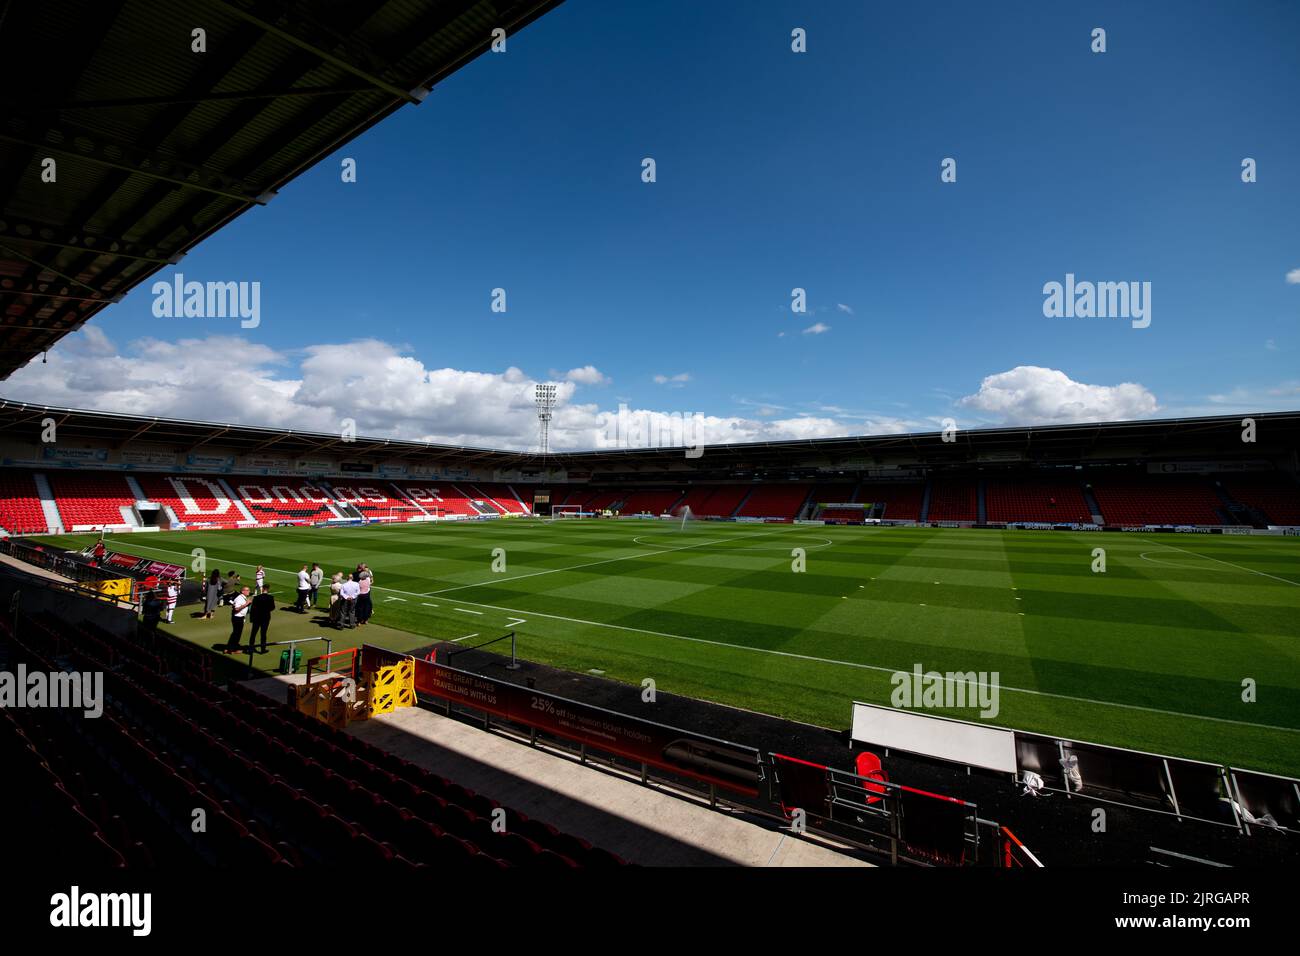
pixel 1276 437
pixel 157 146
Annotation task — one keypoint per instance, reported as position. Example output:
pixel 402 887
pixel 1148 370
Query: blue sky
pixel 779 170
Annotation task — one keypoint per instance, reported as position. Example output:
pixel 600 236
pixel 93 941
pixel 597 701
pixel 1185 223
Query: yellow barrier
pixel 383 692
pixel 391 687
pixel 114 587
pixel 324 699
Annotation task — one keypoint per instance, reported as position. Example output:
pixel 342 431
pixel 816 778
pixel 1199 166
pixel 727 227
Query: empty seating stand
pixel 649 502
pixel 86 499
pixel 714 501
pixel 20 504
pixel 1275 497
pixel 274 499
pixel 89 499
pixel 781 502
pixel 1036 500
pixel 901 499
pixel 444 498
pixel 277 787
pixel 953 499
pixel 196 500
pixel 1158 500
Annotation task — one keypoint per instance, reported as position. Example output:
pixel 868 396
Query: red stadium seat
pixel 867 765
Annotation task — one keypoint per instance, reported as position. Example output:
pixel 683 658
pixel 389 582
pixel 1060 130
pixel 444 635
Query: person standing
pixel 348 599
pixel 213 594
pixel 173 597
pixel 336 608
pixel 150 611
pixel 316 576
pixel 259 580
pixel 304 588
pixel 238 612
pixel 259 613
pixel 364 605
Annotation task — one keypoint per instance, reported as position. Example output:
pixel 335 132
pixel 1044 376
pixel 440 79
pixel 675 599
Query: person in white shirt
pixel 304 589
pixel 259 578
pixel 316 576
pixel 348 599
pixel 238 612
pixel 173 595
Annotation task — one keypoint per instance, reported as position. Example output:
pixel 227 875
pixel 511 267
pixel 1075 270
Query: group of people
pixel 350 602
pixel 160 604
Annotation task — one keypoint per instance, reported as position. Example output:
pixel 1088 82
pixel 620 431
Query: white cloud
pixel 653 428
pixel 677 381
pixel 1293 277
pixel 1030 395
pixel 817 329
pixel 1271 345
pixel 587 375
pixel 387 393
pixel 844 308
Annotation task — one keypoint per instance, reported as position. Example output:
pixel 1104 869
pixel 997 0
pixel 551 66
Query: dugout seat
pixel 867 765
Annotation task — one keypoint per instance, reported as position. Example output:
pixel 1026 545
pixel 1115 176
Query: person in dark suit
pixel 238 612
pixel 259 615
pixel 151 611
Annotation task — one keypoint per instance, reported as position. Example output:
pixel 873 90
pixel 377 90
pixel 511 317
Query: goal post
pixel 566 512
pixel 398 513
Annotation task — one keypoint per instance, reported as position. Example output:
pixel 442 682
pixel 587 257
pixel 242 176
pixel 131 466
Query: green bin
pixel 285 667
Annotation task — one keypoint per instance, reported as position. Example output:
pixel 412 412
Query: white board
pixel 993 748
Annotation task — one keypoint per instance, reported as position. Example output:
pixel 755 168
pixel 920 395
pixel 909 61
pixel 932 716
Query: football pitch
pixel 1156 652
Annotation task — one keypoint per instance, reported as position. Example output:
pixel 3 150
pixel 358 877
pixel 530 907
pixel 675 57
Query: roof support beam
pixel 13 229
pixel 410 96
pixel 18 109
pixel 140 162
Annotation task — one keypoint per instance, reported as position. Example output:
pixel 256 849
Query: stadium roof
pixel 1277 437
pixel 156 146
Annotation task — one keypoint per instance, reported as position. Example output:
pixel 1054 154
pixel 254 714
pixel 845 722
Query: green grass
pixel 1151 654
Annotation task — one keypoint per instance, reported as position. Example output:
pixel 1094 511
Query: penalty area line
pixel 1197 554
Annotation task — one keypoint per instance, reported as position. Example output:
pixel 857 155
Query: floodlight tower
pixel 544 398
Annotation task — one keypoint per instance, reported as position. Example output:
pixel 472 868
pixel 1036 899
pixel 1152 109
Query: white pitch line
pixel 467 611
pixel 457 640
pixel 391 598
pixel 886 670
pixel 512 621
pixel 592 564
pixel 425 604
pixel 806 657
pixel 1197 554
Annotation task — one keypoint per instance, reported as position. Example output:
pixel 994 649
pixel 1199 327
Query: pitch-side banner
pixel 728 765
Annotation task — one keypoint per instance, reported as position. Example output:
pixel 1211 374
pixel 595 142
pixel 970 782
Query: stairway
pixel 740 504
pixel 48 508
pixel 237 501
pixel 1094 509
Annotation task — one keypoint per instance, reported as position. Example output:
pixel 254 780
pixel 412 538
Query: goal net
pixel 566 512
pixel 405 513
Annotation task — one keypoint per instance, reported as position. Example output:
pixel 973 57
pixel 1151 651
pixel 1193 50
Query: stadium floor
pixel 1150 654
